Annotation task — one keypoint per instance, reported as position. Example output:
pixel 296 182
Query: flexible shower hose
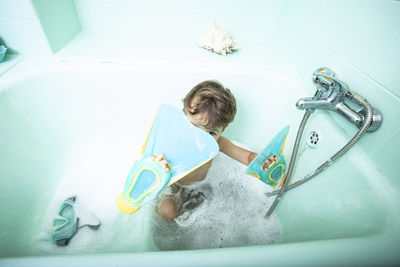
pixel 292 161
pixel 326 164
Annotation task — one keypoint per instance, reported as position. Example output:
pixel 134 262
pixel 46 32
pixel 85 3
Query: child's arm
pixel 240 154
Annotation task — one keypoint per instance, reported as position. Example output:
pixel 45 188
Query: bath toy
pixel 66 223
pixel 172 138
pixel 3 51
pixel 275 174
pixel 218 40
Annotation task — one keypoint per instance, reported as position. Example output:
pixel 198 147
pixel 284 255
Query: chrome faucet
pixel 333 94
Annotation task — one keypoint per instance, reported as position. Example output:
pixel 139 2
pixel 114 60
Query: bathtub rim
pixel 361 250
pixel 27 69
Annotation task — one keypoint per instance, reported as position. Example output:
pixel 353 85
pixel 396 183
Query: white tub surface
pixel 55 114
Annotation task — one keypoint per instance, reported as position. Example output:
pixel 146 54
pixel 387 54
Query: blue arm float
pixel 3 51
pixel 275 174
pixel 145 181
pixel 184 146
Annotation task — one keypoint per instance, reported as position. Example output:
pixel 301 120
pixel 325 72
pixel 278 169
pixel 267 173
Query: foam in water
pixel 230 209
pixel 96 177
pixel 230 212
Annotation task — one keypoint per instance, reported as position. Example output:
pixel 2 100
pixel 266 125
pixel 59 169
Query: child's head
pixel 210 107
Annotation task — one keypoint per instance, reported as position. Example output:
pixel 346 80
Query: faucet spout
pixel 332 94
pixel 311 103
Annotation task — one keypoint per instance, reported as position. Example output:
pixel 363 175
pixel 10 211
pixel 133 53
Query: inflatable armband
pixel 184 146
pixel 275 174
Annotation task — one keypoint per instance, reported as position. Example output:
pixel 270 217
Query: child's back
pixel 211 107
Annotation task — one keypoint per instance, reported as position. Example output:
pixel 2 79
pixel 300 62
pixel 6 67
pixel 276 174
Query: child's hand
pixel 162 161
pixel 268 162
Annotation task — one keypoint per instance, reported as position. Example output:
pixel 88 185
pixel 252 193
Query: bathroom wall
pixel 177 21
pixel 20 29
pixel 37 27
pixel 59 21
pixel 360 41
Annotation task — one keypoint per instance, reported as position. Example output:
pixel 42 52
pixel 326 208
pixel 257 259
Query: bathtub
pixel 53 112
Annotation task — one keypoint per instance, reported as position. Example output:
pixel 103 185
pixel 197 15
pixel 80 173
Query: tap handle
pixel 330 83
pixel 324 77
pixel 325 71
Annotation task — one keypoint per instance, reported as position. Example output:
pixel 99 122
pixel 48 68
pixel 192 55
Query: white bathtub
pixel 53 113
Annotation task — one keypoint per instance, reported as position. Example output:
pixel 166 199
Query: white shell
pixel 218 40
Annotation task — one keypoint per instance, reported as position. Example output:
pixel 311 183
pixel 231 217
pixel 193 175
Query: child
pixel 210 107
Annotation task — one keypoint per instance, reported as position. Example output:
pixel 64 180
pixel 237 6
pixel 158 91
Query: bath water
pixel 232 212
pixel 96 176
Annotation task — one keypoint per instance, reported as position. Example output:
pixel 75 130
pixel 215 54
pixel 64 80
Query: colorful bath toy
pixel 67 221
pixel 184 147
pixel 3 51
pixel 275 174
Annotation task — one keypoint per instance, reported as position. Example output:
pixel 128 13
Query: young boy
pixel 210 107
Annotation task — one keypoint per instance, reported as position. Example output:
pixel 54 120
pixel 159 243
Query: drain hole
pixel 313 139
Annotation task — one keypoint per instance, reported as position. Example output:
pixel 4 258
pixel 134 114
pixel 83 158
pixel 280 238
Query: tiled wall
pixel 37 27
pixel 360 41
pixel 364 33
pixel 59 21
pixel 20 29
pixel 177 20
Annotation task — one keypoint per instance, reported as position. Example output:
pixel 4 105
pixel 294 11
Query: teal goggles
pixel 66 222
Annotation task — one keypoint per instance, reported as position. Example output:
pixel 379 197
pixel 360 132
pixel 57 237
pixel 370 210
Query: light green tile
pixel 60 27
pixel 45 8
pixel 17 9
pixel 205 5
pixel 358 31
pixel 389 106
pixel 387 70
pixel 28 40
pixel 387 160
pixel 111 19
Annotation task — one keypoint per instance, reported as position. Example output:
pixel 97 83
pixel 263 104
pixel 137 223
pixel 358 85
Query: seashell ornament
pixel 218 40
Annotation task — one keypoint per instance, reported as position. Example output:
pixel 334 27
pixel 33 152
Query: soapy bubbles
pixel 230 212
